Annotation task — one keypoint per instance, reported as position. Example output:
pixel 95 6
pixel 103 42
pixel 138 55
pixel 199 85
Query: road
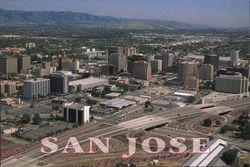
pixel 28 160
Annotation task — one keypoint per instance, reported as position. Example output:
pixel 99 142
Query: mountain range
pixel 29 18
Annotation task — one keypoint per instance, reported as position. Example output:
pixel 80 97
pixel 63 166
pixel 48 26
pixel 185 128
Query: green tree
pixel 147 104
pixel 37 119
pixel 229 156
pixel 207 122
pixel 25 118
pixel 1 96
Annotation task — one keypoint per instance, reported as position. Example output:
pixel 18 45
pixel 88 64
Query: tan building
pixel 142 70
pixel 8 65
pixel 206 72
pixel 8 87
pixel 191 84
pixel 24 62
pixel 187 69
pixel 119 61
pixel 63 63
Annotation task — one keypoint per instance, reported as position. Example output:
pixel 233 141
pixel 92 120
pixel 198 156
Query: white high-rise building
pixel 235 58
pixel 35 88
pixel 76 113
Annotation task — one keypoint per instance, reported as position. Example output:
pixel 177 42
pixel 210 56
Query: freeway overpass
pixel 34 157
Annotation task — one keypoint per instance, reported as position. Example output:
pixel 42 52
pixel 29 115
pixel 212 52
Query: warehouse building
pixel 87 83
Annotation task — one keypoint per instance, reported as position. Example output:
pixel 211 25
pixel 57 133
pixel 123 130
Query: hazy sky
pixel 210 12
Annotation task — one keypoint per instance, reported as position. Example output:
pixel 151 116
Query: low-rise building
pixel 88 83
pixel 117 103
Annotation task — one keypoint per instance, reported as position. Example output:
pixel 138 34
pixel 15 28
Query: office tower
pixel 187 69
pixel 8 65
pixel 24 62
pixel 76 113
pixel 212 59
pixel 35 88
pixel 167 61
pixel 63 63
pixel 74 66
pixel 142 70
pixel 59 83
pixel 231 84
pixel 118 60
pixel 191 84
pixel 234 58
pixel 206 72
pixel 8 87
pixel 156 65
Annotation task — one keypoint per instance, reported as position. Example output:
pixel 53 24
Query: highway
pixel 30 159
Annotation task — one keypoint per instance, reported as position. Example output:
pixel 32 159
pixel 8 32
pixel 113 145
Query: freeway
pixel 145 122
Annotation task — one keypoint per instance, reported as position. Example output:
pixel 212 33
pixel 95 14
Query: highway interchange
pixel 33 157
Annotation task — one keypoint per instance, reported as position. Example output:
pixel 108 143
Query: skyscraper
pixel 212 59
pixel 23 62
pixel 234 58
pixel 8 65
pixel 156 65
pixel 206 71
pixel 187 69
pixel 118 60
pixel 63 63
pixel 167 61
pixel 142 70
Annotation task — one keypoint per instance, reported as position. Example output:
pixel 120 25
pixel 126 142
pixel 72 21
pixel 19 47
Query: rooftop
pixel 87 81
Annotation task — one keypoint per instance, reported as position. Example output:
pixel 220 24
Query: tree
pixel 1 96
pixel 229 156
pixel 25 118
pixel 226 128
pixel 147 104
pixel 207 122
pixel 37 119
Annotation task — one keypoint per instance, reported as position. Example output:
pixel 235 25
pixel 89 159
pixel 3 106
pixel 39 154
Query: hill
pixel 29 18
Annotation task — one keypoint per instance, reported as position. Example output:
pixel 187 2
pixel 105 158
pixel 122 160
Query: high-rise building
pixel 212 59
pixel 8 65
pixel 234 58
pixel 59 83
pixel 231 84
pixel 118 60
pixel 24 62
pixel 191 84
pixel 167 61
pixel 76 113
pixel 187 69
pixel 63 63
pixel 142 70
pixel 129 51
pixel 140 66
pixel 35 88
pixel 156 65
pixel 74 66
pixel 206 72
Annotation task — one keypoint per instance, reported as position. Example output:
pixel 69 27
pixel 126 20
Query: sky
pixel 224 13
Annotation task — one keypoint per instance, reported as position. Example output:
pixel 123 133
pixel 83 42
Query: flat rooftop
pixel 88 81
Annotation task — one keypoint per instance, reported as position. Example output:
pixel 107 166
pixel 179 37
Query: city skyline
pixel 222 13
